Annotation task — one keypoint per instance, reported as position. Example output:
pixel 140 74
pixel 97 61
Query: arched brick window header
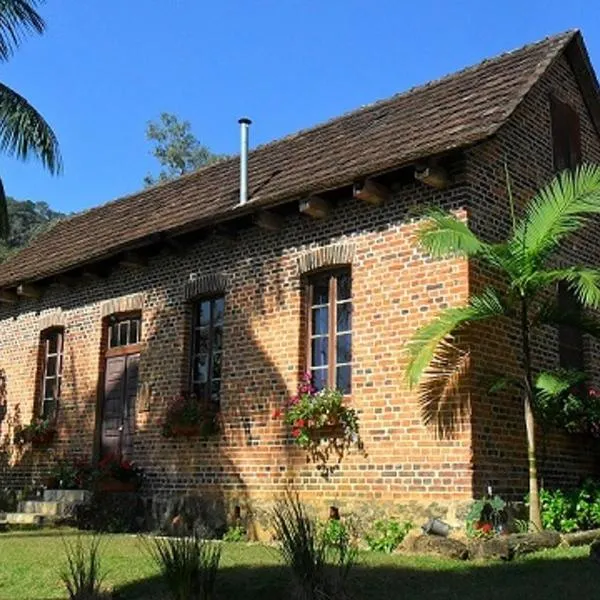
pixel 327 256
pixel 52 319
pixel 201 285
pixel 124 304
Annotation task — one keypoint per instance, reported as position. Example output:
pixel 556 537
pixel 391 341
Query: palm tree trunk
pixel 535 516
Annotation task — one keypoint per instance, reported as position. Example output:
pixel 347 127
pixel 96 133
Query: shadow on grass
pixel 556 578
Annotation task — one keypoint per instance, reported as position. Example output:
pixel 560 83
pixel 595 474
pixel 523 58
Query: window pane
pixel 218 309
pixel 123 333
pixel 319 378
pixel 201 390
pixel 217 339
pixel 48 409
pixel 320 321
pixel 52 343
pixel 320 290
pixel 215 391
pixel 319 351
pixel 216 366
pixel 114 335
pixel 51 363
pixel 343 379
pixel 201 340
pixel 344 317
pixel 344 286
pixel 134 331
pixel 50 389
pixel 204 312
pixel 344 348
pixel 200 373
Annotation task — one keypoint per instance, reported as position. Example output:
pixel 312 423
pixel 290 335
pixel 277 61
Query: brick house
pixel 181 287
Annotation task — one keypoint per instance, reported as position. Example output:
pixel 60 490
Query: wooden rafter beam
pixel 8 296
pixel 371 191
pixel 432 175
pixel 315 207
pixel 28 290
pixel 268 220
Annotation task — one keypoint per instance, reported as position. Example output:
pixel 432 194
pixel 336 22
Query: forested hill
pixel 27 219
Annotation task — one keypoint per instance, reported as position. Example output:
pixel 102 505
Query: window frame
pixel 333 273
pixel 566 135
pixel 46 337
pixel 130 347
pixel 206 399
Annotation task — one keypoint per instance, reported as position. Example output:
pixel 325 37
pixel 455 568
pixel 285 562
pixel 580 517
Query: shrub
pixel 188 565
pixel 82 574
pixel 387 534
pixel 235 533
pixel 573 510
pixel 319 569
pixel 72 473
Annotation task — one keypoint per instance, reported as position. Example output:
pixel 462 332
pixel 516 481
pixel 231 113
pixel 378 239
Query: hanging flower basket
pixel 186 417
pixel 185 430
pixel 320 423
pixel 39 433
pixel 114 474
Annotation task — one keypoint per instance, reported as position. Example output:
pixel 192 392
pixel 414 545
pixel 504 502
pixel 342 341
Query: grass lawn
pixel 30 561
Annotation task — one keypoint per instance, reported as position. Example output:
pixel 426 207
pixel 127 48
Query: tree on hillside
pixel 23 131
pixel 176 148
pixel 527 275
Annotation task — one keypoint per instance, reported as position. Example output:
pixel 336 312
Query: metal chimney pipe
pixel 244 127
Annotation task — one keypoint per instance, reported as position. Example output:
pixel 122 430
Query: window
pixel 570 339
pixel 329 347
pixel 207 350
pixel 566 136
pixel 52 365
pixel 124 331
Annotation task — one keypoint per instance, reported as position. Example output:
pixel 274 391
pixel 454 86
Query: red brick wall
pixel 410 465
pixel 525 144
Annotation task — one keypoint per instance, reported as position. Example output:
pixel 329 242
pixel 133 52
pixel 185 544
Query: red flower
pixel 295 432
pixel 486 528
pixel 276 413
pixel 299 423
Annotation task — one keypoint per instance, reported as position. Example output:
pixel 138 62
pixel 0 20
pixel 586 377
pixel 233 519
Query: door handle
pixel 120 427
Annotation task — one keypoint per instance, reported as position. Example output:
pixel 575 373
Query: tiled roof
pixel 449 113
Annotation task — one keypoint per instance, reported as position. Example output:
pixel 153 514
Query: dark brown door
pixel 118 405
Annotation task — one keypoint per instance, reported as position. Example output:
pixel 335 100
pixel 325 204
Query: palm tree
pixel 23 131
pixel 526 276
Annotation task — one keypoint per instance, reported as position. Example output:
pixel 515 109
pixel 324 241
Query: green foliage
pixel 72 473
pixel 176 148
pixel 564 400
pixel 82 575
pixel 485 516
pixel 235 533
pixel 387 534
pixel 572 510
pixel 27 220
pixel 111 513
pixel 319 564
pixel 189 565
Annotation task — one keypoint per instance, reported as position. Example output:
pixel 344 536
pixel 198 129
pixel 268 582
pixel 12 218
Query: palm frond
pixel 550 313
pixel 4 222
pixel 582 281
pixel 440 394
pixel 18 18
pixel 24 132
pixel 425 342
pixel 444 235
pixel 550 385
pixel 560 208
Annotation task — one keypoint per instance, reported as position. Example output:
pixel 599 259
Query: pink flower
pixel 294 400
pixel 295 433
pixel 299 423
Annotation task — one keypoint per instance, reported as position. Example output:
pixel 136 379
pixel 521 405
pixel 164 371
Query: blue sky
pixel 103 69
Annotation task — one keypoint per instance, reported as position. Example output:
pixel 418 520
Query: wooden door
pixel 118 405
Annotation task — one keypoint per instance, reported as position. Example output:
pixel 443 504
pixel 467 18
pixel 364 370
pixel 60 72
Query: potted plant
pixel 185 417
pixel 116 474
pixel 316 415
pixel 40 432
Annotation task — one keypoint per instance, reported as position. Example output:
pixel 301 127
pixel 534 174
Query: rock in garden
pixel 496 548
